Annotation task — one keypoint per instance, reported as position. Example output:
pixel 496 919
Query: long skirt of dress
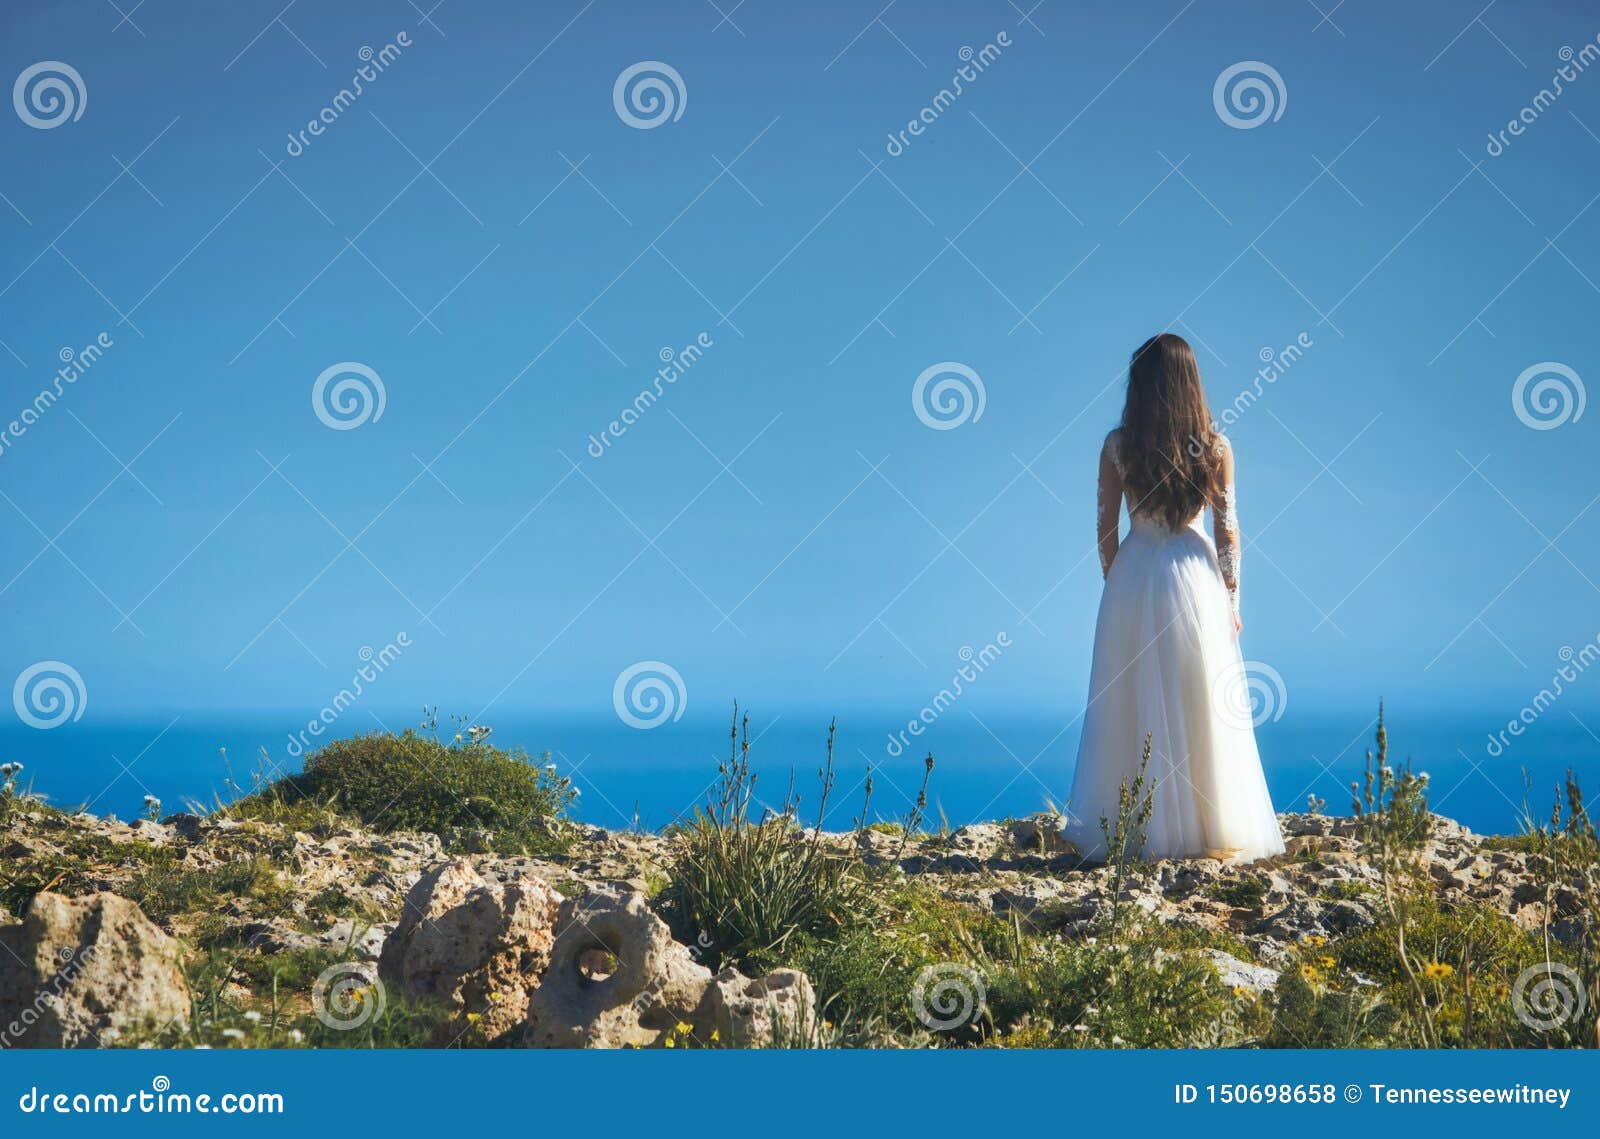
pixel 1167 666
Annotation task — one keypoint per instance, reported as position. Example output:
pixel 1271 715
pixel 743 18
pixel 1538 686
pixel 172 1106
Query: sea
pixel 985 768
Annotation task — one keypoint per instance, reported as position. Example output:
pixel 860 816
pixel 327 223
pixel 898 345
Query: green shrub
pixel 743 887
pixel 413 782
pixel 864 972
pixel 1099 994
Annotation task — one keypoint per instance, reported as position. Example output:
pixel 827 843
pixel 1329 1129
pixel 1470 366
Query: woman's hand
pixel 1238 625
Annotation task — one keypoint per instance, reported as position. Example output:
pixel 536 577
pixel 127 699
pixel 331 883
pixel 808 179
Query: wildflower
pixel 296 1036
pixel 252 1016
pixel 1437 970
pixel 1310 972
pixel 1315 940
pixel 474 1017
pixel 233 1033
pixel 1243 993
pixel 1326 962
pixel 716 1035
pixel 685 1027
pixel 1080 1028
pixel 1502 991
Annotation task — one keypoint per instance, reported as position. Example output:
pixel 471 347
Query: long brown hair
pixel 1170 449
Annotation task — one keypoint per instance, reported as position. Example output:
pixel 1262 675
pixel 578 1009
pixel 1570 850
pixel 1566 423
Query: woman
pixel 1166 654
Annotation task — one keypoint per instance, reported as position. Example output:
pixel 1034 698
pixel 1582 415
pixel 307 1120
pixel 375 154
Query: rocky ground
pixel 565 950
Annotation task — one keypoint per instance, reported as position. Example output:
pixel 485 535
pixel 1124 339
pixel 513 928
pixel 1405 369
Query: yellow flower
pixel 474 1017
pixel 716 1035
pixel 669 1042
pixel 1437 970
pixel 1243 993
pixel 685 1027
pixel 1326 962
pixel 1316 941
pixel 1309 972
pixel 1502 991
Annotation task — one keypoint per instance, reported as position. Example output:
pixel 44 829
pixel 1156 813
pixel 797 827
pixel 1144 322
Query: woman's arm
pixel 1225 531
pixel 1109 504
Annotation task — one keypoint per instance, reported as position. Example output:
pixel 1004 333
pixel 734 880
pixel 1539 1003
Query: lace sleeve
pixel 1225 528
pixel 1109 503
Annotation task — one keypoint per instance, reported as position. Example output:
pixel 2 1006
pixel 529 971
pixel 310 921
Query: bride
pixel 1166 653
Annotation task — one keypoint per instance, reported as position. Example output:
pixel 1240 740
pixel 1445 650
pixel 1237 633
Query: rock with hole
pixel 616 979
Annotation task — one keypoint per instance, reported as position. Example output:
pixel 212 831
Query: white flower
pixel 296 1035
pixel 233 1033
pixel 252 1016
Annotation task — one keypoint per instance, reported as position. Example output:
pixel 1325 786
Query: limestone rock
pixel 1039 834
pixel 1237 974
pixel 478 947
pixel 80 972
pixel 746 1012
pixel 616 978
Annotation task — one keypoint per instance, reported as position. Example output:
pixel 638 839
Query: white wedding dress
pixel 1167 665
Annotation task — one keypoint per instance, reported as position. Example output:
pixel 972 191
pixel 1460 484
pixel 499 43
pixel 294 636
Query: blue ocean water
pixel 989 767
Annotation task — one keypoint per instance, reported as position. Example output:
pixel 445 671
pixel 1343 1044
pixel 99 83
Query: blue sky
pixel 781 526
